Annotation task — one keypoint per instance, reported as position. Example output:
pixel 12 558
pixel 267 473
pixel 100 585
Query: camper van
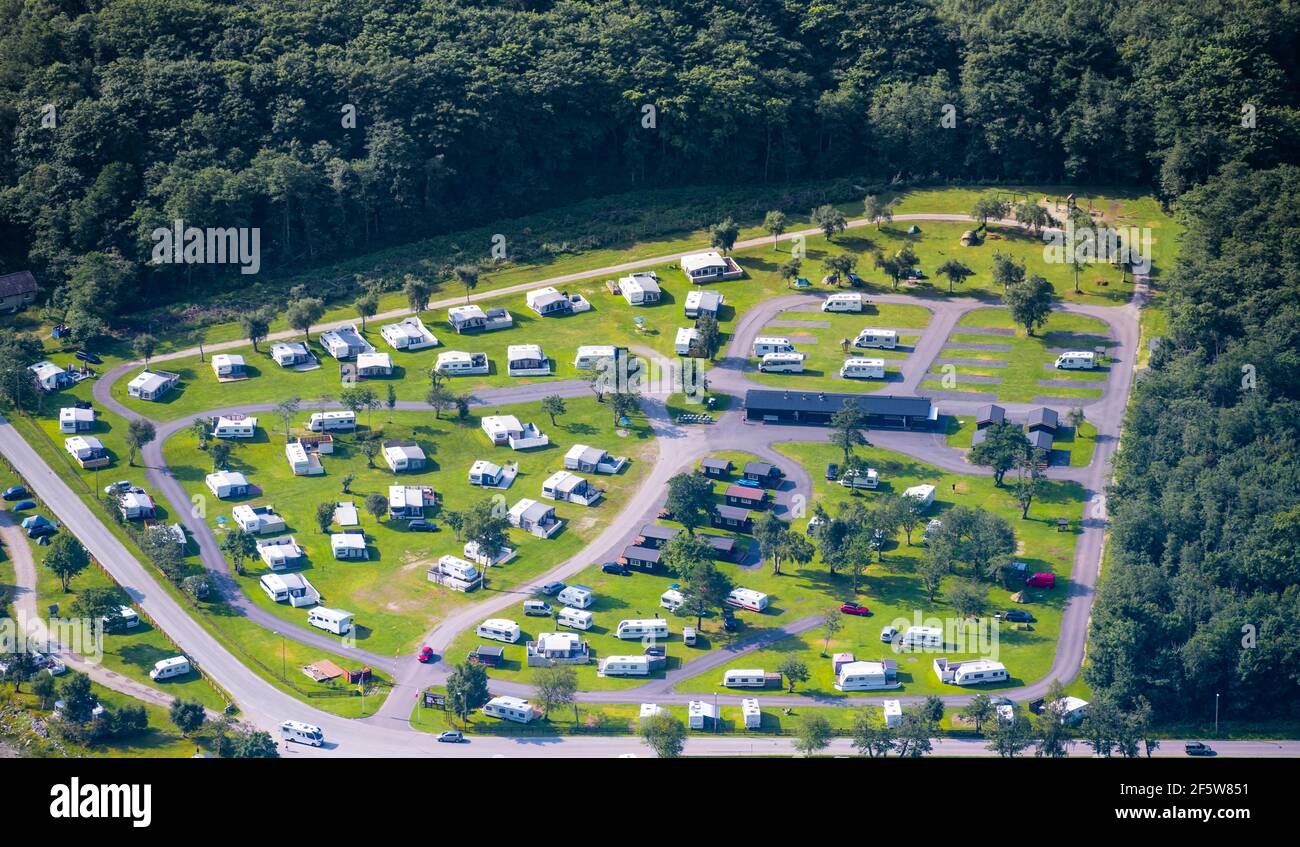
pixel 574 618
pixel 1076 361
pixel 327 421
pixel 672 600
pixel 642 628
pixel 499 629
pixel 860 368
pixel 688 636
pixel 537 608
pixel 885 339
pixel 126 618
pixel 765 344
pixel 923 494
pixel 168 668
pixel 782 363
pixel 860 478
pixel 302 733
pixel 336 621
pixel 842 303
pixel 576 596
pixel 747 598
pixel 921 636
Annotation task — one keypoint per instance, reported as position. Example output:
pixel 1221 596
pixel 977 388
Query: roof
pixel 19 282
pixel 515 352
pixel 584 453
pixel 829 403
pixel 1044 416
pixel 743 492
pixel 990 414
pixel 641 554
pixel 1040 439
pixel 759 468
pixel 695 261
pixel 712 462
pixel 663 533
pixel 734 513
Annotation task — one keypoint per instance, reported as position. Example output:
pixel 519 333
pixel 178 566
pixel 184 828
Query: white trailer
pixel 335 621
pixel 499 629
pixel 576 596
pixel 765 344
pixel 858 367
pixel 847 302
pixel 922 636
pixel 784 363
pixel 574 618
pixel 656 628
pixel 327 421
pixel 923 494
pixel 886 339
pixel 672 600
pixel 748 598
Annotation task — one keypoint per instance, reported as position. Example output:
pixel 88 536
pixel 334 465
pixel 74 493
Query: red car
pixel 855 609
pixel 1042 580
pixel 426 655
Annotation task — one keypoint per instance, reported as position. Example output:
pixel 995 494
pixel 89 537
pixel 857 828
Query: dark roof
pixel 21 282
pixel 719 542
pixel 641 554
pixel 663 533
pixel 744 492
pixel 1044 417
pixel 978 436
pixel 990 414
pixel 711 462
pixel 734 513
pixel 484 650
pixel 759 468
pixel 829 403
pixel 1040 439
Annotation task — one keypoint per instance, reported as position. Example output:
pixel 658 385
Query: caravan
pixel 672 600
pixel 656 628
pixel 747 598
pixel 593 356
pixel 860 368
pixel 168 668
pixel 574 618
pixel 842 303
pixel 886 339
pixel 765 344
pixel 783 363
pixel 923 637
pixel 1076 361
pixel 499 629
pixel 327 421
pixel 336 621
pixel 576 596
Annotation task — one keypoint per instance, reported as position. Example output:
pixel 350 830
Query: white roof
pixel 563 481
pixel 747 593
pixel 524 351
pixel 45 370
pixel 556 641
pixel 637 282
pixel 227 478
pixel 686 334
pixel 331 614
pixel 401 496
pixel 72 413
pixel 289 347
pixel 744 672
pixel 374 360
pixel 923 630
pixel 453 356
pixel 893 707
pixel 227 359
pixel 79 443
pixel 696 261
pixel 410 328
pixel 295 452
pixel 597 350
pixel 348 541
pixel 500 623
pixel 147 379
pixel 484 467
pixel 408 451
pixel 502 423
pixel 922 490
pixel 507 702
pixel 236 420
pixel 861 668
pixel 460 313
pixel 702 707
pixel 771 339
pixel 749 706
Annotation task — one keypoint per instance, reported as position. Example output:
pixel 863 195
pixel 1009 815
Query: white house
pixel 345 342
pixel 624 666
pixel 686 337
pixel 408 334
pixel 288 354
pixel 751 713
pixel 259 520
pixel 709 267
pixel 592 460
pixel 403 456
pixel 291 588
pixel 280 553
pixel 73 420
pixel 970 672
pixel 640 289
pixel 349 546
pixel 472 318
pixel 507 430
pixel 568 487
pixel 701 714
pixel 152 385
pixel 50 377
pixel 536 518
pixel 234 426
pixel 409 501
pixel 864 676
pixel 87 450
pixel 228 366
pixel 486 474
pixel 527 360
pixel 302 462
pixel 460 363
pixel 701 302
pixel 225 484
pixel 550 302
pixel 511 709
pixel 374 364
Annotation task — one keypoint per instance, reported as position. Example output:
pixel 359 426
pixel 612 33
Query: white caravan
pixel 885 339
pixel 842 303
pixel 860 368
pixel 782 363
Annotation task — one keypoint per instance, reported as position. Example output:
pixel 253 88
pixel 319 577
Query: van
pixel 326 421
pixel 842 303
pixel 577 596
pixel 1041 580
pixel 886 339
pixel 781 363
pixel 1076 361
pixel 499 629
pixel 574 618
pixel 642 628
pixel 765 344
pixel 126 618
pixel 537 608
pixel 860 478
pixel 862 368
pixel 688 636
pixel 672 600
pixel 168 668
pixel 302 733
pixel 336 621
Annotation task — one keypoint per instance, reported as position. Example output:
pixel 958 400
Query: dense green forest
pixel 233 113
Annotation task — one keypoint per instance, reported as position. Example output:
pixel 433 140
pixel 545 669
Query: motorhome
pixel 923 494
pixel 846 302
pixel 332 421
pixel 1076 360
pixel 640 289
pixel 574 618
pixel 511 709
pixel 765 344
pixel 126 618
pixel 885 339
pixel 460 363
pixel 672 600
pixel 576 596
pixel 921 637
pixel 168 668
pixel 457 568
pixel 857 367
pixel 642 628
pixel 527 360
pixel 498 629
pixel 234 426
pixel 860 478
pixel 408 334
pixel 970 672
pixel 791 363
pixel 335 621
pixel 747 598
pixel 624 666
pixel 750 678
pixel 302 733
pixel 591 356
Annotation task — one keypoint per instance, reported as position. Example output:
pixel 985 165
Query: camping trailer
pixel 640 289
pixel 922 636
pixel 786 363
pixel 857 367
pixel 624 666
pixel 1076 361
pixel 656 628
pixel 327 421
pixel 923 494
pixel 847 302
pixel 574 618
pixel 591 356
pixel 499 629
pixel 168 668
pixel 335 621
pixel 885 339
pixel 576 596
pixel 860 478
pixel 511 709
pixel 460 363
pixel 672 600
pixel 747 598
pixel 750 678
pixel 971 672
pixel 234 426
pixel 765 344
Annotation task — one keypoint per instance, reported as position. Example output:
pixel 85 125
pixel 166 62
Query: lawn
pixel 988 355
pixel 1078 445
pixel 390 594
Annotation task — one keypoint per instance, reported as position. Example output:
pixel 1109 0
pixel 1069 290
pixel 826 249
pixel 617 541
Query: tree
pixel 377 506
pixel 1007 271
pixel 934 567
pixel 839 265
pixel 557 688
pixel 139 432
pixel 877 211
pixel 794 670
pixel 485 526
pixel 955 272
pixel 187 715
pixel 467 689
pixel 1008 738
pixel 20 666
pixel 832 623
pixel 366 305
pixel 1049 725
pixel 1029 479
pixel 66 559
pixel 774 224
pixel 324 517
pixel 870 738
pixel 829 220
pixel 219 453
pixel 285 411
pixel 723 235
pixel 848 429
pixel 467 276
pixel 369 448
pixel 303 314
pixel 979 711
pixel 417 293
pixel 100 603
pixel 390 401
pixel 78 698
pixel 912 737
pixel 684 551
pixel 707 335
pixel 553 406
pixel 813 734
pixel 248 743
pixel 790 271
pixel 440 398
pixel 665 735
pixel 1075 418
pixel 1003 446
pixel 144 345
pixel 778 542
pixel 704 588
pixel 977 537
pixel 1030 303
pixel 622 404
pixel 989 207
pixel 908 513
pixel 1030 214
pixel 255 326
pixel 690 500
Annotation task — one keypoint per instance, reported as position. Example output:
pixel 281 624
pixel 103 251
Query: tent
pixel 913 230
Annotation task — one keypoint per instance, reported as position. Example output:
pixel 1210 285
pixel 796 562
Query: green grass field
pixel 1079 445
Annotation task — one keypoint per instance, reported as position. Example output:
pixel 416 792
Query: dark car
pixel 832 471
pixel 83 404
pixel 856 281
pixel 1198 748
pixel 1016 616
pixel 13 492
pixel 42 530
pixel 422 526
pixel 615 568
pixel 914 273
pixel 23 505
pixel 87 356
pixel 553 587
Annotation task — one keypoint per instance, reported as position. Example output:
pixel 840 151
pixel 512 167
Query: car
pixel 656 651
pixel 1198 748
pixel 749 483
pixel 87 356
pixel 422 526
pixel 42 530
pixel 855 609
pixel 23 505
pixel 14 492
pixel 1041 580
pixel 832 471
pixel 1015 616
pixel 914 273
pixel 615 568
pixel 425 655
pixel 83 404
pixel 889 634
pixel 117 487
pixel 553 587
pixel 451 736
pixel 856 281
